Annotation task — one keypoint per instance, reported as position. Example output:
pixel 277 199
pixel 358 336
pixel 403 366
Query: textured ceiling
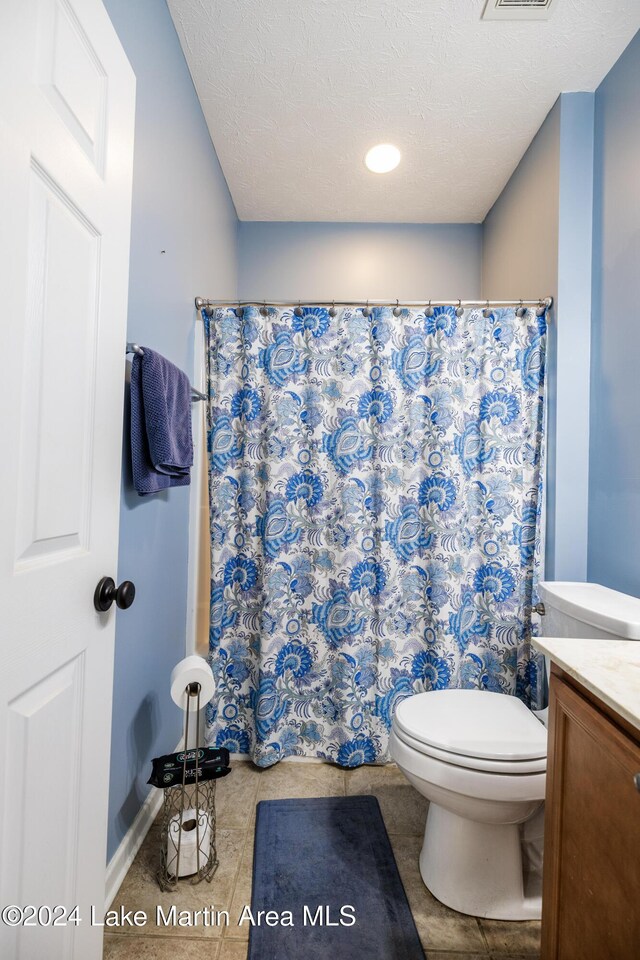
pixel 296 91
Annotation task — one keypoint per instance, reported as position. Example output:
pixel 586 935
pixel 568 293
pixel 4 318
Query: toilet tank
pixel 588 610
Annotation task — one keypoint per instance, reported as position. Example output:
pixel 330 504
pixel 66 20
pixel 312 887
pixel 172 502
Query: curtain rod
pixel 545 302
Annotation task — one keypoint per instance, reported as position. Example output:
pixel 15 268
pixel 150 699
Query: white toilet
pixel 480 759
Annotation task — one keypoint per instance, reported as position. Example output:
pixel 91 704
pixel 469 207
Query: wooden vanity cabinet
pixel 591 891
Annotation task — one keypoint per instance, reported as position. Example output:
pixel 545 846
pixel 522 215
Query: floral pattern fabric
pixel 375 489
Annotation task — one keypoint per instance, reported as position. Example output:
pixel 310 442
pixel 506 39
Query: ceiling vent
pixel 518 9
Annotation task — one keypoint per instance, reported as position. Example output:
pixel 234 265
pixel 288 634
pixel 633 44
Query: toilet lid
pixel 473 723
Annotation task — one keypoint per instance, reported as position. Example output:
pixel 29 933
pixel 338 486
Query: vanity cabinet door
pixel 591 900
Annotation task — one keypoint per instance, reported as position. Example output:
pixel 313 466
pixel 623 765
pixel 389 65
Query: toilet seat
pixel 511 767
pixel 482 784
pixel 475 729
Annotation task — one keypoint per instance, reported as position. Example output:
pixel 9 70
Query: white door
pixel 67 95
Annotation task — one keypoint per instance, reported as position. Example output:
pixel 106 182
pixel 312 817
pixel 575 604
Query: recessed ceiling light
pixel 383 158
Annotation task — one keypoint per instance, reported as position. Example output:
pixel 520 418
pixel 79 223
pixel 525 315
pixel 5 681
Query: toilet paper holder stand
pixel 188 841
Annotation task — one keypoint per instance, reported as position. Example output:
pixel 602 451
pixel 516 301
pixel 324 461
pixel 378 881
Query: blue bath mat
pixel 331 856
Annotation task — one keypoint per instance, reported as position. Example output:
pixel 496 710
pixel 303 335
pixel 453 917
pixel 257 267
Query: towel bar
pixel 136 348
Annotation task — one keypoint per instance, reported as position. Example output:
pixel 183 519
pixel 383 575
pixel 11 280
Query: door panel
pixel 60 362
pixel 44 750
pixel 72 77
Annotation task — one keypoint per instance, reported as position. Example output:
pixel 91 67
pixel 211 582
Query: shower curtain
pixel 375 480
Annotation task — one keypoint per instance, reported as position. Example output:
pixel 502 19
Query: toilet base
pixel 476 868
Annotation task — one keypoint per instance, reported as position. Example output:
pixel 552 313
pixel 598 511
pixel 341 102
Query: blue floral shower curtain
pixel 375 487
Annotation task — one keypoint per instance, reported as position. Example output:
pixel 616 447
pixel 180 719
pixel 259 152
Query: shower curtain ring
pixel 298 310
pixel 208 310
pixel 263 309
pixel 365 310
pixel 486 313
pixel 540 309
pixel 332 309
pixel 520 312
pixel 459 309
pixel 396 310
pixel 239 311
pixel 429 310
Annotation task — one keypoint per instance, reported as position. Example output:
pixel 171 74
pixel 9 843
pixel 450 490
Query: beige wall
pixel 520 240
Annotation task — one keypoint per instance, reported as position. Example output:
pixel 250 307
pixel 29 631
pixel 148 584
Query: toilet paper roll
pixel 191 670
pixel 187 831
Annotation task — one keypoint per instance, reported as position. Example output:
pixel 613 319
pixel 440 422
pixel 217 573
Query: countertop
pixel 610 669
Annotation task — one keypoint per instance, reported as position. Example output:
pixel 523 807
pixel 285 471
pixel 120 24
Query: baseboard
pixel 132 841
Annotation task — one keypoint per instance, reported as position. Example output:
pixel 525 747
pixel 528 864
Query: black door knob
pixel 107 592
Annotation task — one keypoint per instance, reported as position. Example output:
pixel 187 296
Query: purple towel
pixel 161 438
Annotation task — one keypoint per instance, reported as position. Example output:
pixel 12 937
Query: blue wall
pixel 183 243
pixel 571 340
pixel 614 494
pixel 537 241
pixel 349 261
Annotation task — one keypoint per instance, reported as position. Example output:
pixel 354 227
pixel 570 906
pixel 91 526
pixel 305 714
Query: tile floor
pixel 445 934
